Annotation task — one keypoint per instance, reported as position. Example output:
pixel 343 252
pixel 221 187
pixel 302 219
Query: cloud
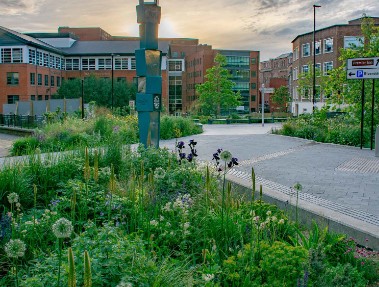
pixel 19 7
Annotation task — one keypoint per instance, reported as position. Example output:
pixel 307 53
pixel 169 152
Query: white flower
pixel 208 277
pixel 274 219
pixel 186 225
pixel 62 228
pixel 226 156
pixel 15 248
pixel 161 218
pixel 263 225
pixel 268 213
pixel 281 221
pixel 13 197
pixel 159 173
pixel 168 224
pixel 256 218
pixel 154 222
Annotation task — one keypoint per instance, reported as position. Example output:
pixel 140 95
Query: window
pixel 11 55
pixel 32 97
pixel 6 55
pixel 353 42
pixel 237 61
pixel 306 49
pixel 305 92
pixel 296 53
pixel 305 69
pixel 46 80
pixel 318 48
pixel 45 59
pixel 32 78
pixel 295 73
pixel 46 97
pixel 40 97
pixel 318 69
pixel 12 99
pixel 253 98
pixel 12 78
pixel 58 81
pixel 39 79
pixel 39 58
pixel 253 86
pixel 327 67
pixel 17 55
pixel 88 64
pixel 104 64
pixel 121 63
pixel 175 65
pixel 32 56
pixel 133 63
pixel 253 74
pixel 253 61
pixel 72 64
pixel 328 45
pixel 52 81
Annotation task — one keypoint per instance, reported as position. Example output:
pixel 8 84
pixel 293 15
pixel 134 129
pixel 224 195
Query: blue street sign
pixel 360 74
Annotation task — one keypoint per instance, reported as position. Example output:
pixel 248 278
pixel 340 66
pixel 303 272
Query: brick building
pixel 33 65
pixel 275 73
pixel 328 42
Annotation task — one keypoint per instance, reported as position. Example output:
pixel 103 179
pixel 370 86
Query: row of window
pixel 307 93
pixel 238 61
pixel 327 66
pixel 306 48
pixel 46 80
pixel 11 55
pixel 45 59
pixel 120 63
pixel 12 99
pixel 194 74
pixel 194 62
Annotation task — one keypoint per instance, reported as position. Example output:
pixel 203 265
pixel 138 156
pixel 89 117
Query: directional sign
pixel 363 68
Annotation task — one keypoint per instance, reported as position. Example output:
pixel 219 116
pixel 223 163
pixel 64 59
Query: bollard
pixel 377 142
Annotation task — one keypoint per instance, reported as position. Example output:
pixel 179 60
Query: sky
pixel 267 26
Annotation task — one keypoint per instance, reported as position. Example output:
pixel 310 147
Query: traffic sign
pixel 363 68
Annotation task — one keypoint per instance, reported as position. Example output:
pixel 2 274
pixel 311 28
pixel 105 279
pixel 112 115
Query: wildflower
pixel 216 157
pixel 13 197
pixel 298 186
pixel 263 225
pixel 256 218
pixel 190 157
pixel 268 213
pixel 186 225
pixel 233 162
pixel 226 156
pixel 274 219
pixel 161 218
pixel 15 248
pixel 159 173
pixel 116 129
pixel 180 145
pixel 281 221
pixel 153 222
pixel 208 277
pixel 62 228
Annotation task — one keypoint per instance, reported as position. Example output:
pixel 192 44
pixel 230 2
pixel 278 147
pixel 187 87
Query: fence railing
pixel 21 121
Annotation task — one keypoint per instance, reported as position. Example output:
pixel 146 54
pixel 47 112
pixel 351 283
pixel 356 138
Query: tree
pixel 349 91
pixel 281 97
pixel 98 90
pixel 216 92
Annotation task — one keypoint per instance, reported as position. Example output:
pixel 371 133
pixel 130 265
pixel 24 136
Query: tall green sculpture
pixel 148 67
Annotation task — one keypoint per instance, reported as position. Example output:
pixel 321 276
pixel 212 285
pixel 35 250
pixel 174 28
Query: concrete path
pixel 338 180
pixel 6 143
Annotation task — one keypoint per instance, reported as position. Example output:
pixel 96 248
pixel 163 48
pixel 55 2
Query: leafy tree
pixel 216 92
pixel 98 90
pixel 349 91
pixel 281 97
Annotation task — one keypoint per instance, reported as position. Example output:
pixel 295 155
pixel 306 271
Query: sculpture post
pixel 148 68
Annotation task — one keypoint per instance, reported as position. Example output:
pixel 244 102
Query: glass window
pixel 133 63
pixel 45 59
pixel 72 64
pixel 46 80
pixel 104 64
pixel 306 50
pixel 32 78
pixel 46 97
pixel 121 63
pixel 175 65
pixel 327 67
pixel 253 86
pixel 328 45
pixel 318 69
pixel 12 99
pixel 17 55
pixel 237 61
pixel 32 56
pixel 40 97
pixel 88 64
pixel 12 78
pixel 253 61
pixel 52 81
pixel 6 55
pixel 39 79
pixel 32 97
pixel 305 69
pixel 39 58
pixel 318 48
pixel 58 81
pixel 253 74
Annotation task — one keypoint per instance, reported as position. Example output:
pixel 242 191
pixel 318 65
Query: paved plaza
pixel 338 178
pixel 6 143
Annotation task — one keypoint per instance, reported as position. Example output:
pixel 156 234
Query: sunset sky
pixel 268 26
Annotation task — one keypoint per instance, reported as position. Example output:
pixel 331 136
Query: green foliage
pixel 98 90
pixel 281 98
pixel 216 92
pixel 24 146
pixel 175 127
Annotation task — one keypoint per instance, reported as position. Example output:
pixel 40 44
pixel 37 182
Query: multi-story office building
pixel 33 65
pixel 328 42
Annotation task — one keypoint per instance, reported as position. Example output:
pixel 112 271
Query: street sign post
pixel 362 68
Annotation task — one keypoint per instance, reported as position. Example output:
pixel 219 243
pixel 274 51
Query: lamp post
pixel 263 104
pixel 314 55
pixel 112 82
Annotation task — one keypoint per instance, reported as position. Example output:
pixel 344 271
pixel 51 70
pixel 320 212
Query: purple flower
pixel 190 157
pixel 116 129
pixel 216 156
pixel 180 145
pixel 182 155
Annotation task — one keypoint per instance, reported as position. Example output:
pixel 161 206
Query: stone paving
pixel 345 179
pixel 5 143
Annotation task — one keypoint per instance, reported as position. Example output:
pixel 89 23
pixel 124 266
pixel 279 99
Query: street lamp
pixel 263 104
pixel 314 55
